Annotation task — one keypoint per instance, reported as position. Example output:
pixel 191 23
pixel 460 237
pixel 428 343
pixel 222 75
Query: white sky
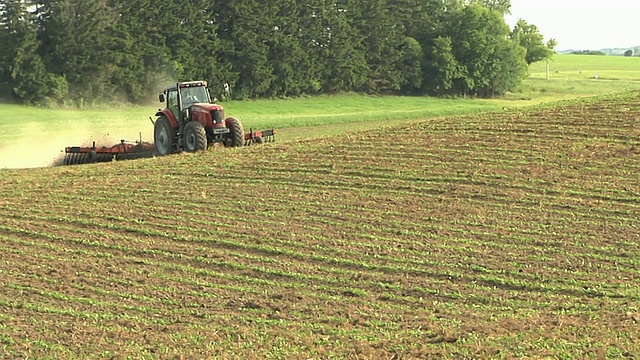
pixel 582 24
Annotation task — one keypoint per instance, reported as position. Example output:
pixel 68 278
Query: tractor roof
pixel 186 84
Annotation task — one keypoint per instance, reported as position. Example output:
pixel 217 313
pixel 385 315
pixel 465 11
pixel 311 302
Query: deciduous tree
pixel 443 69
pixel 480 43
pixel 529 37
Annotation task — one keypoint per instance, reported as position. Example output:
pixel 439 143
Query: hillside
pixel 509 234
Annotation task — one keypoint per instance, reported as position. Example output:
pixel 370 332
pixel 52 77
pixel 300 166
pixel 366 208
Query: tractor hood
pixel 205 107
pixel 209 115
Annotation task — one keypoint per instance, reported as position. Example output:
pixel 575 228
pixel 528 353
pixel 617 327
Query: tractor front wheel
pixel 164 135
pixel 237 132
pixel 195 137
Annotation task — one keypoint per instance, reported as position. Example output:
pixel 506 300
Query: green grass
pixel 572 76
pixel 316 111
pixel 583 67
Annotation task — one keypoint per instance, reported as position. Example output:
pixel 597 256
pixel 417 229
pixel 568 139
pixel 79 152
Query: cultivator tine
pixel 269 135
pixel 250 138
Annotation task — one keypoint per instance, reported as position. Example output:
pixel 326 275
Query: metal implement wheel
pixel 164 136
pixel 195 137
pixel 237 132
pixel 76 159
pixel 85 158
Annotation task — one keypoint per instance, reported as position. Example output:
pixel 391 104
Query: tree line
pixel 122 50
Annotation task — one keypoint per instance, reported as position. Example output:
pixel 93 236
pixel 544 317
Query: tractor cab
pixel 182 96
pixel 193 94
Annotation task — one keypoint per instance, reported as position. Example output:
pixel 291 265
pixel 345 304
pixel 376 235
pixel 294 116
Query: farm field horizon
pixel 503 234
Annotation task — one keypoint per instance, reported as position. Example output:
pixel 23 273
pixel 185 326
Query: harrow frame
pixel 122 151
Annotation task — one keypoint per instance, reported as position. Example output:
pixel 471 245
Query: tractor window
pixel 192 95
pixel 172 102
pixel 172 99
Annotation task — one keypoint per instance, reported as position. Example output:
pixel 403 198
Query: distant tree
pixel 442 68
pixel 628 53
pixel 31 82
pixel 193 42
pixel 384 43
pixel 480 43
pixel 13 28
pixel 343 52
pixel 417 20
pixel 293 50
pixel 410 64
pixel 510 68
pixel 128 49
pixel 528 36
pixel 500 6
pixel 588 52
pixel 245 27
pixel 28 72
pixel 76 35
pixel 143 59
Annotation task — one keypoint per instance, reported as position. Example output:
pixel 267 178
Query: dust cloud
pixel 33 148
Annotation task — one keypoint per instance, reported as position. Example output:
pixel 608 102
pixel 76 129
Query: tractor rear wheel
pixel 195 137
pixel 237 132
pixel 164 136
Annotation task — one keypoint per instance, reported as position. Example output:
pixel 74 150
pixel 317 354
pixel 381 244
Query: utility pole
pixel 547 69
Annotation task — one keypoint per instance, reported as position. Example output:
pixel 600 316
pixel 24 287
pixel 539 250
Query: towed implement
pixel 259 137
pixel 125 150
pixel 190 121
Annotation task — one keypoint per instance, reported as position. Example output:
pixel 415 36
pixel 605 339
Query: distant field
pixel 510 234
pixel 575 75
pixel 34 137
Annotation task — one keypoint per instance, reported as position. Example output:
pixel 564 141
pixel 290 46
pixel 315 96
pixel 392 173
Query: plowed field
pixel 499 235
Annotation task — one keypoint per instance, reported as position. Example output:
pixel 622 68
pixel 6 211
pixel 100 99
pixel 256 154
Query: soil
pixel 502 235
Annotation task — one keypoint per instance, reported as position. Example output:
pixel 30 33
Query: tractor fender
pixel 169 115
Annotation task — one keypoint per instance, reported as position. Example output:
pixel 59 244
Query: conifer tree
pixel 76 35
pixel 13 28
pixel 343 51
pixel 24 74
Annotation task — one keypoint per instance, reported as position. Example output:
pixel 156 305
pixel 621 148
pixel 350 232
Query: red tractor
pixel 192 122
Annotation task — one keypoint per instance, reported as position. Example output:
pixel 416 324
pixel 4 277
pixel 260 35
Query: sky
pixel 582 24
